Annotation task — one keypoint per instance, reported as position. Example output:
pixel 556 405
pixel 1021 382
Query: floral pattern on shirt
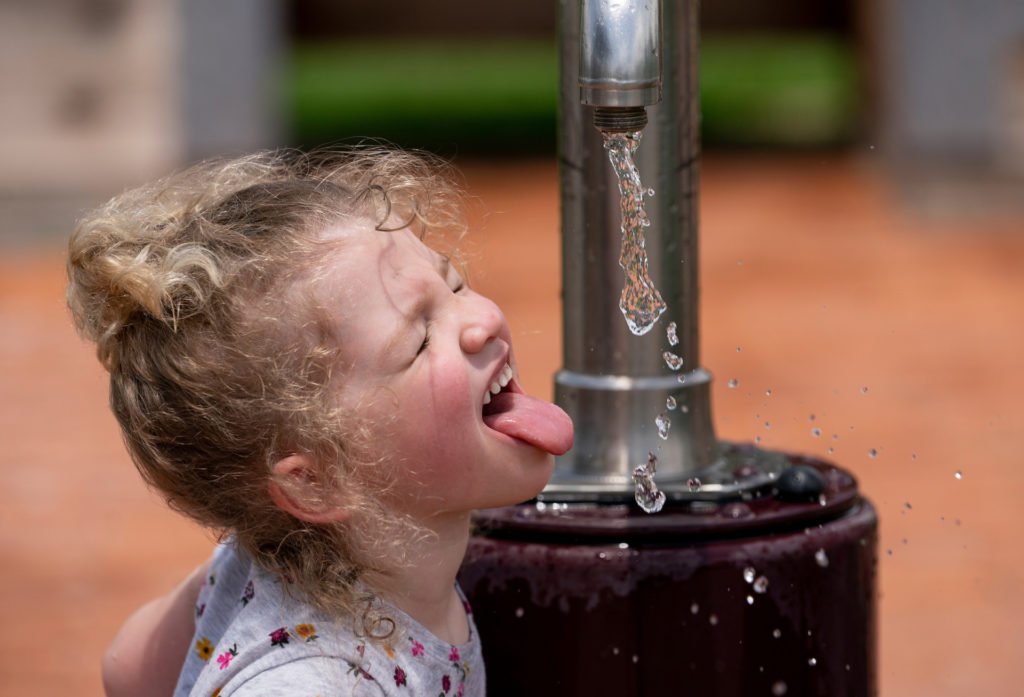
pixel 248 594
pixel 204 648
pixel 225 652
pixel 224 660
pixel 279 637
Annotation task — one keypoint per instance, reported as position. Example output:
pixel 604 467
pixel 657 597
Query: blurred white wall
pixel 90 92
pixel 97 94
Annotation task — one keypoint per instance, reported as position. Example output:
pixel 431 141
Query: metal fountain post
pixel 613 384
pixel 619 75
pixel 761 580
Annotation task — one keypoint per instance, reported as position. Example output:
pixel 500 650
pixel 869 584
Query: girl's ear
pixel 297 487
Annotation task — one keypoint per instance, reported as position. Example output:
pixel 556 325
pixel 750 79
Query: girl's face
pixel 425 355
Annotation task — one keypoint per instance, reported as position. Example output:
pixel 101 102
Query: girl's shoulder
pixel 253 635
pixel 254 638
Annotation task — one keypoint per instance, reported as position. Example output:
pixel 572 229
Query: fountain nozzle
pixel 620 61
pixel 620 119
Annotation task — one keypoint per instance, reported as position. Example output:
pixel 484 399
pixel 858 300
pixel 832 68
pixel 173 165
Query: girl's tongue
pixel 539 423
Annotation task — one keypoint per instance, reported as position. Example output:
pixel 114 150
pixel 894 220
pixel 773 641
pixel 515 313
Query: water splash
pixel 647 495
pixel 640 301
pixel 821 558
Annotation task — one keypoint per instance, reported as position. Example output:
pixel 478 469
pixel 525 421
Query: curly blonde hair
pixel 188 288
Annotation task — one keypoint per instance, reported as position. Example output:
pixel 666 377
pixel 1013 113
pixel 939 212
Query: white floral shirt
pixel 254 639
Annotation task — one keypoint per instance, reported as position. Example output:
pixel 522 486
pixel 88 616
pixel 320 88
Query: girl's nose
pixel 481 322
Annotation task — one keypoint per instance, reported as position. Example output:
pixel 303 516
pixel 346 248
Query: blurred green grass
pixel 501 96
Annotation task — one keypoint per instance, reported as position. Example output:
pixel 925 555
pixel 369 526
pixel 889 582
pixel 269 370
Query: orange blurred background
pixel 880 291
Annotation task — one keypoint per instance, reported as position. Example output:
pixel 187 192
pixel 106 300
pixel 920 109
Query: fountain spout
pixel 620 61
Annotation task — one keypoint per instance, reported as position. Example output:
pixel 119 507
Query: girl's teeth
pixel 496 387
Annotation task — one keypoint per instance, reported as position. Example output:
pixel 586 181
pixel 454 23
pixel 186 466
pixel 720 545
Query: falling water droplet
pixel 908 506
pixel 673 361
pixel 650 191
pixel 767 424
pixel 693 484
pixel 685 408
pixel 733 383
pixel 646 493
pixel 748 574
pixel 812 661
pixel 750 600
pixel 713 619
pixel 831 450
pixel 821 558
pixel 822 501
pixel 779 688
pixel 811 417
pixel 664 424
pixel 670 402
pixel 694 609
pixel 777 633
pixel 738 349
pixel 768 392
pixel 760 584
pixel 873 452
pixel 670 333
pixel 864 390
pixel 888 552
pixel 958 474
pixel 520 612
pixel 816 432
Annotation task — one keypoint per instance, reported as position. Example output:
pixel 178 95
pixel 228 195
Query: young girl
pixel 293 367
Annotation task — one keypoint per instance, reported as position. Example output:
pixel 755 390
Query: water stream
pixel 640 302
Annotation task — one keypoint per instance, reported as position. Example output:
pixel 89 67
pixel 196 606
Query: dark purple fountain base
pixel 578 599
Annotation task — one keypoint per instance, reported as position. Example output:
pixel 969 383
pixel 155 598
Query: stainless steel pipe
pixel 620 61
pixel 614 384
